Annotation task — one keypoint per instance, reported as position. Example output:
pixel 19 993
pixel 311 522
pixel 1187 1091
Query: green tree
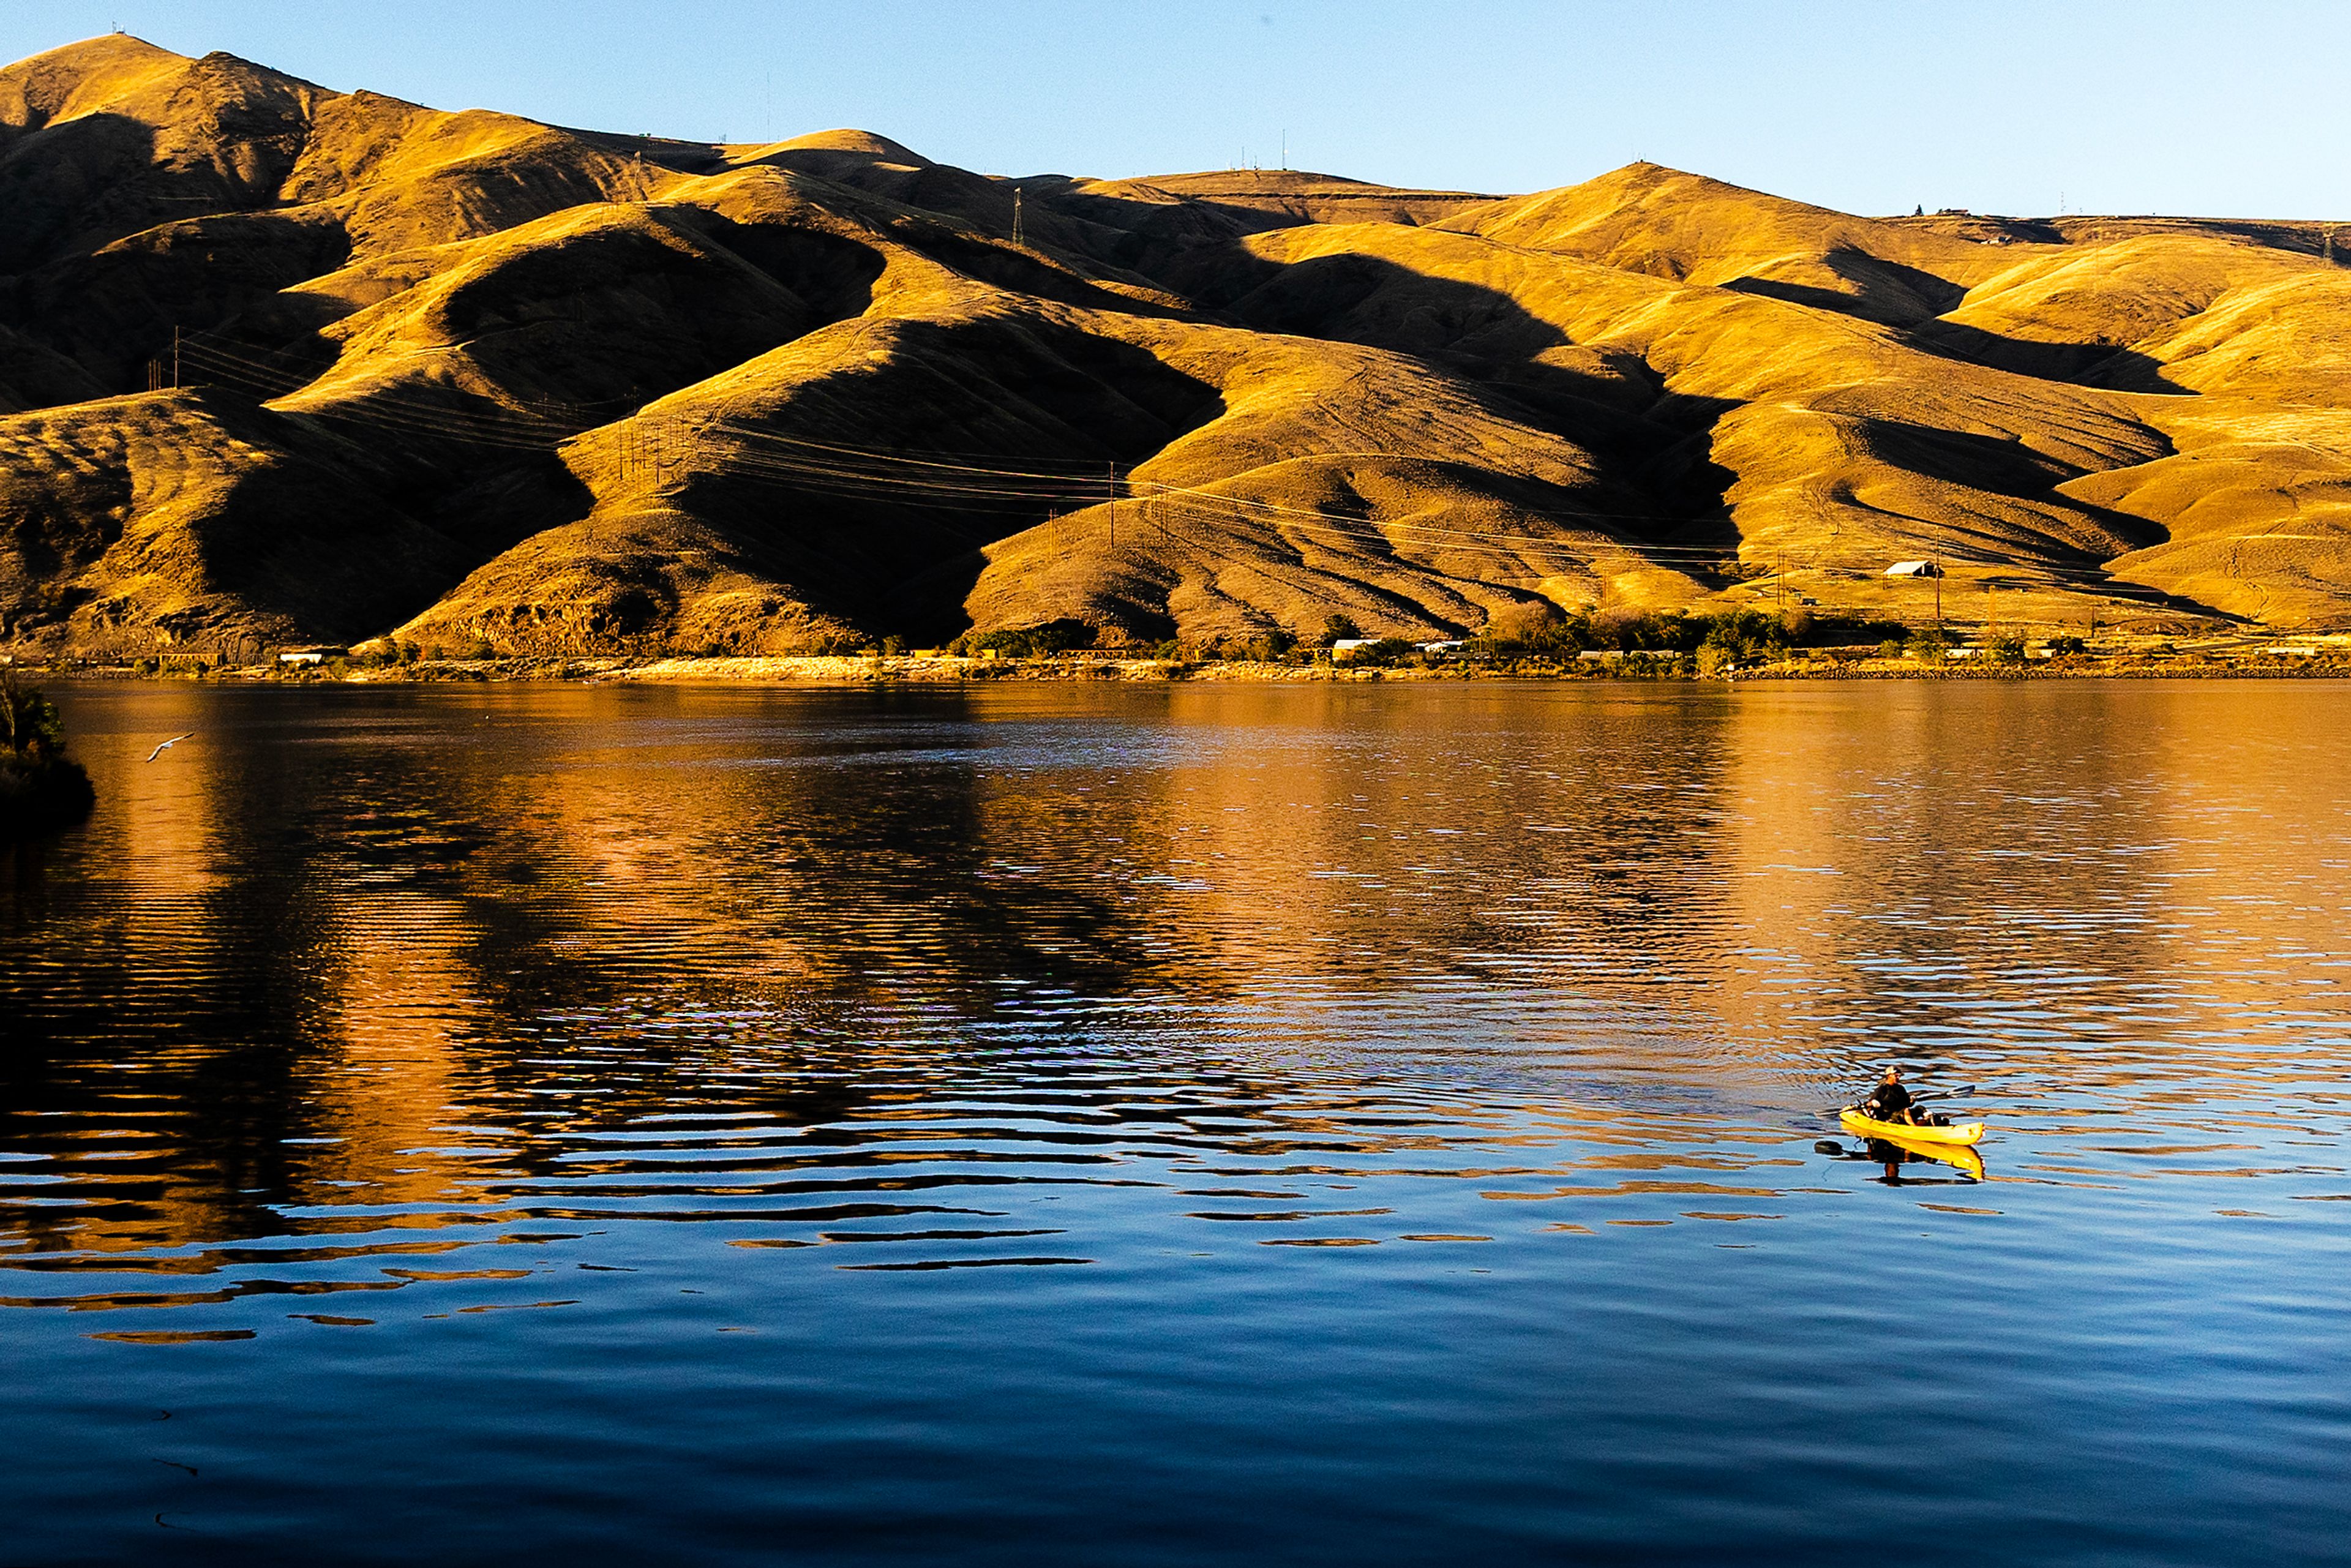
pixel 1339 628
pixel 1535 628
pixel 40 787
pixel 30 727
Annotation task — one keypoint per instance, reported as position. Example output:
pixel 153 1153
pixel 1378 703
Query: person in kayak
pixel 1890 1101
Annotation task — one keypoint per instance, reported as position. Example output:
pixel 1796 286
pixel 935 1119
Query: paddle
pixel 1960 1094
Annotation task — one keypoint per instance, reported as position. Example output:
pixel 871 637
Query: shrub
pixel 1340 628
pixel 31 729
pixel 40 787
pixel 1032 642
pixel 1890 649
pixel 2006 649
pixel 1641 665
pixel 1524 625
pixel 1741 636
pixel 2064 645
pixel 1628 630
pixel 1063 636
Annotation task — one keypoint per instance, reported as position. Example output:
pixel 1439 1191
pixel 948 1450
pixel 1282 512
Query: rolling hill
pixel 280 365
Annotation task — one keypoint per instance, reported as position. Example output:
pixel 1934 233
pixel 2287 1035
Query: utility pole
pixel 1109 491
pixel 1016 215
pixel 176 357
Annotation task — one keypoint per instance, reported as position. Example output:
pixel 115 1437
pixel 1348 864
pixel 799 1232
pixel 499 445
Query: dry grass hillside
pixel 281 364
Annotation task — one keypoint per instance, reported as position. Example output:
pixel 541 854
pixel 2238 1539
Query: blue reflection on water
pixel 1165 1125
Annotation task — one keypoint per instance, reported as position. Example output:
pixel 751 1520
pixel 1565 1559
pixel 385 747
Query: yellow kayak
pixel 1961 1157
pixel 1903 1132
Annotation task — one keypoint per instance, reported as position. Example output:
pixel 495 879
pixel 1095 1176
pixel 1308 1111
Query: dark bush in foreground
pixel 41 788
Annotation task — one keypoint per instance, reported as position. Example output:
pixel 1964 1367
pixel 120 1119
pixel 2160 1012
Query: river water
pixel 1055 1124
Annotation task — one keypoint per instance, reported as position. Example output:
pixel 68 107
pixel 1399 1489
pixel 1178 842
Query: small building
pixel 1914 568
pixel 310 655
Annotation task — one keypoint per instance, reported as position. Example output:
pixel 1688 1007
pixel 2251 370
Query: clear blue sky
pixel 2108 105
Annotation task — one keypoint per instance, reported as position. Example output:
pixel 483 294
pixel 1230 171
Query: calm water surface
pixel 1160 1126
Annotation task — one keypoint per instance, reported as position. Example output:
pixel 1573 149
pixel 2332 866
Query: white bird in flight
pixel 167 746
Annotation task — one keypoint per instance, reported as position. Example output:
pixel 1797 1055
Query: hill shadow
pixel 2099 365
pixel 228 273
pixel 1994 465
pixel 1655 445
pixel 1889 292
pixel 833 275
pixel 892 542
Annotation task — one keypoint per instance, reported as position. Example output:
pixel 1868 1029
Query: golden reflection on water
pixel 347 952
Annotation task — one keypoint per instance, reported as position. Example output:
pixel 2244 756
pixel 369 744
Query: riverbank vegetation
pixel 41 789
pixel 1534 643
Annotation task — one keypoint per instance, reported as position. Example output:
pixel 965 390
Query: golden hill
pixel 284 364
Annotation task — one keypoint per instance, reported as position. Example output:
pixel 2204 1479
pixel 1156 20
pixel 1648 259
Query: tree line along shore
pixel 1726 645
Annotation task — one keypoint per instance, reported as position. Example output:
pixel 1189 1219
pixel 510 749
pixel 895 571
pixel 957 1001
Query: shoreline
pixel 863 670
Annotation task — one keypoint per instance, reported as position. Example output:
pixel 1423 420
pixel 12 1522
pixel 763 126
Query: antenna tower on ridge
pixel 1016 215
